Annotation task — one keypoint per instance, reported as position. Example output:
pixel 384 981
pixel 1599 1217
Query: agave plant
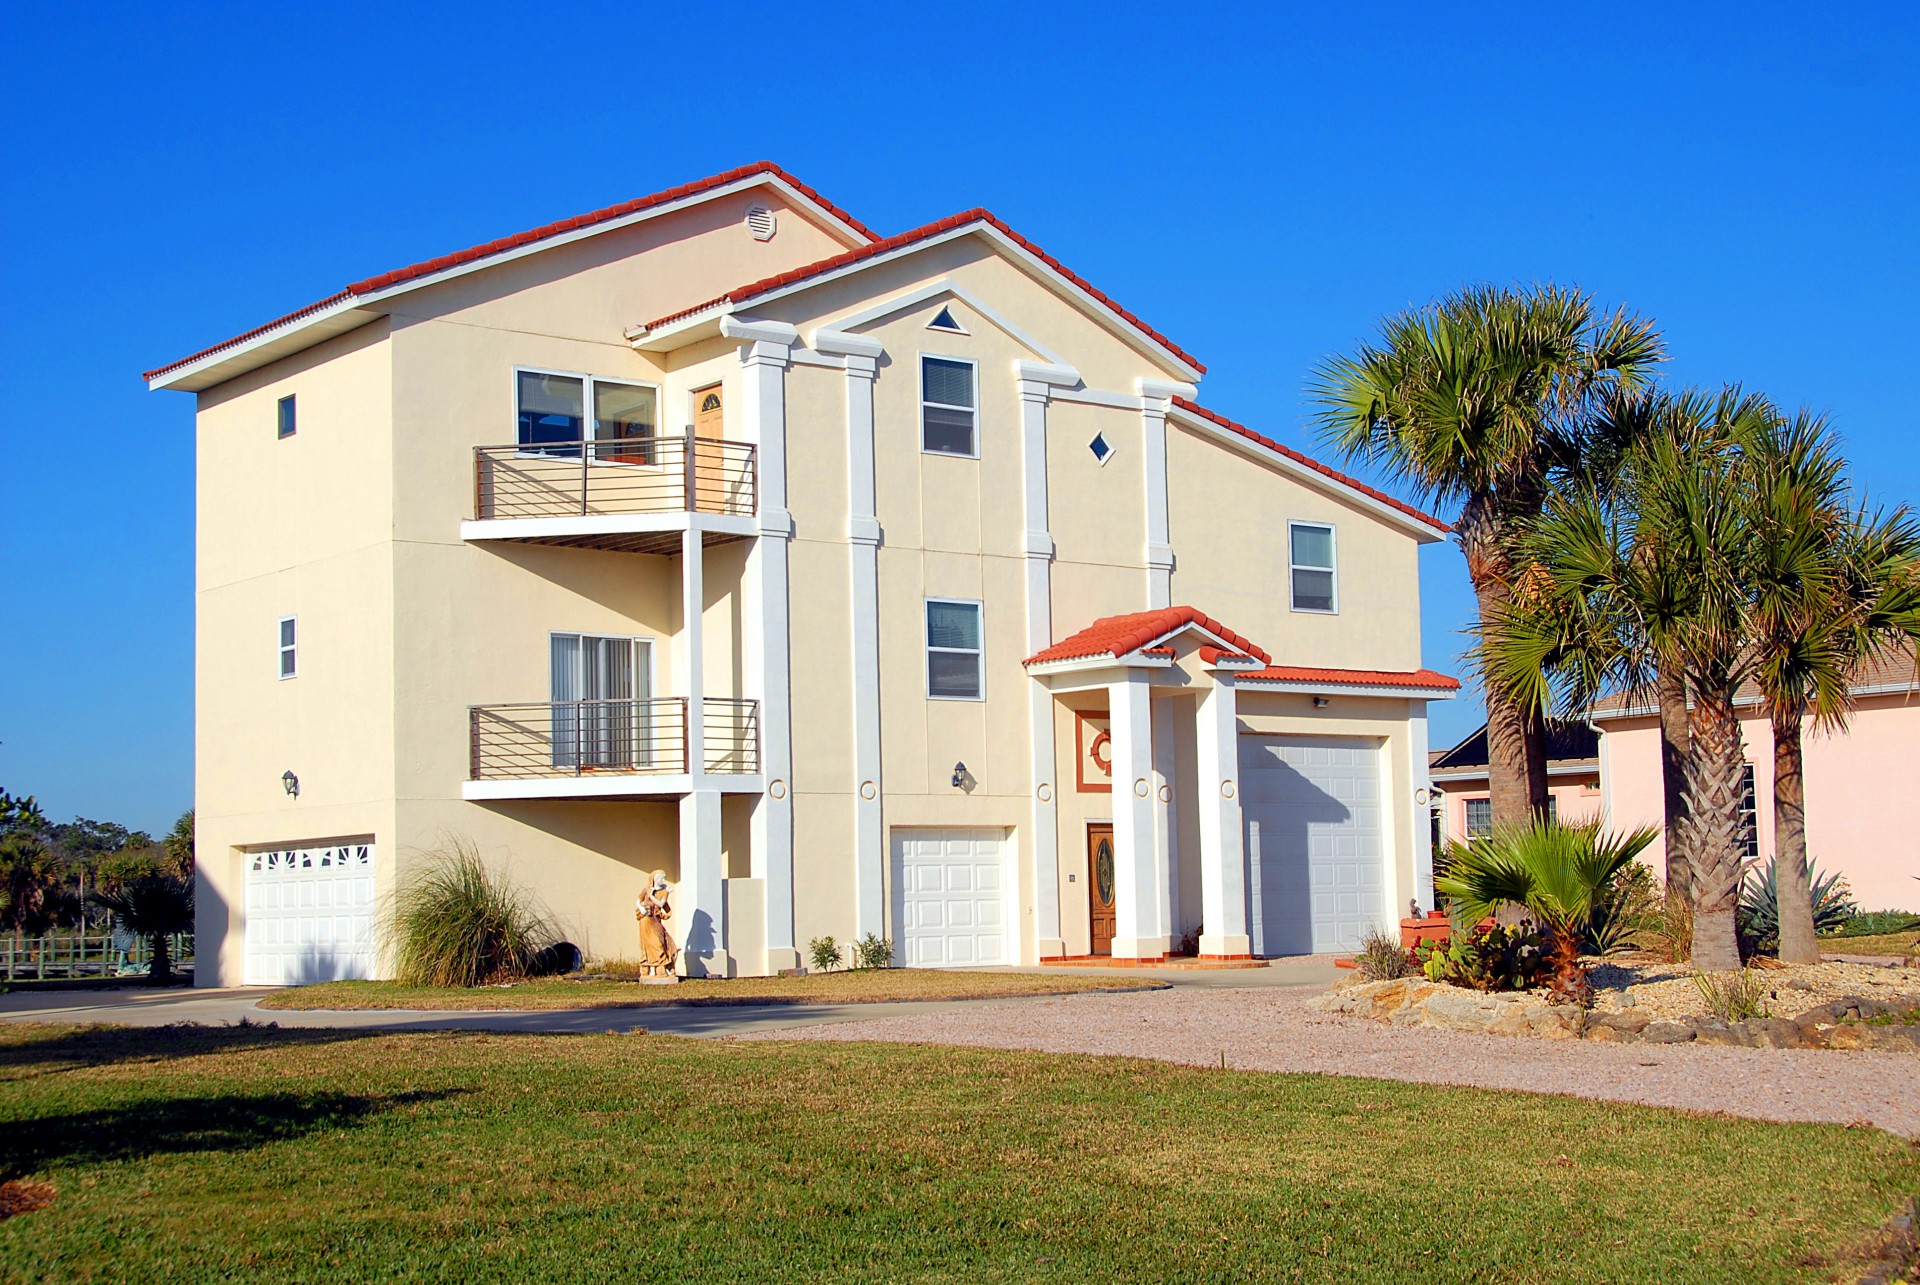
pixel 1559 874
pixel 1760 905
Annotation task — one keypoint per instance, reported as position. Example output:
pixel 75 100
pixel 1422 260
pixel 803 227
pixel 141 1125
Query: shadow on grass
pixel 29 1051
pixel 226 1123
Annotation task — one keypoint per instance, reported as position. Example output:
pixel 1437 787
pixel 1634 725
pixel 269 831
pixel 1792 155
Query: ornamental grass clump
pixel 456 923
pixel 1381 958
pixel 1733 997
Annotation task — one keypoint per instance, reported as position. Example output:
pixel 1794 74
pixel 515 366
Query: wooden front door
pixel 1100 879
pixel 706 465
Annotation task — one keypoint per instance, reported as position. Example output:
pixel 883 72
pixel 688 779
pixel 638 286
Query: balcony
pixel 610 748
pixel 633 495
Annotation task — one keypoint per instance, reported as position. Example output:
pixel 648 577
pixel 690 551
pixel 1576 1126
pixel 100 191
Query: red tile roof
pixel 1216 655
pixel 1425 678
pixel 1118 635
pixel 744 293
pixel 1214 417
pixel 625 208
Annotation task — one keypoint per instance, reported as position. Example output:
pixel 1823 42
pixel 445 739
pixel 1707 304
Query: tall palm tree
pixel 1487 400
pixel 1833 586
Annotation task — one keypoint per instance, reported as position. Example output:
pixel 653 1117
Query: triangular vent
pixel 945 321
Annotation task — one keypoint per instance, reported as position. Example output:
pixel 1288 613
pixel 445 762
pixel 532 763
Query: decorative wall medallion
pixel 1044 793
pixel 778 789
pixel 868 790
pixel 1140 787
pixel 1166 794
pixel 1226 789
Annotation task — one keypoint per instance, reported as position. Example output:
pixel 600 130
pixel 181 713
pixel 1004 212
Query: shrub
pixel 1672 926
pixel 823 953
pixel 1382 958
pixel 1628 905
pixel 1495 957
pixel 873 951
pixel 1758 917
pixel 1733 997
pixel 1876 923
pixel 456 924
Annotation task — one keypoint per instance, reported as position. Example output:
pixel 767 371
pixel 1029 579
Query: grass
pixel 1906 943
pixel 852 987
pixel 254 1153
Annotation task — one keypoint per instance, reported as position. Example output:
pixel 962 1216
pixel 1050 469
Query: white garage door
pixel 950 897
pixel 1315 847
pixel 309 915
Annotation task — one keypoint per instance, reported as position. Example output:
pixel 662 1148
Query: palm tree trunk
pixel 1793 894
pixel 1513 738
pixel 1672 690
pixel 1714 760
pixel 160 971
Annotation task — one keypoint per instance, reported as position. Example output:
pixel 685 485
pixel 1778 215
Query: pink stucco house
pixel 1863 784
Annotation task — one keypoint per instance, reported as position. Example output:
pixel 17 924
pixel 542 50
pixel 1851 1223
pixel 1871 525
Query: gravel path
pixel 1274 1030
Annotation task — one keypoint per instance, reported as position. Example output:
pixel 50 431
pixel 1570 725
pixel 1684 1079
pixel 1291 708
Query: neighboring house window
pixel 601 715
pixel 287 424
pixel 289 635
pixel 948 418
pixel 1749 815
pixel 1311 552
pixel 1479 818
pixel 552 413
pixel 954 662
pixel 1553 809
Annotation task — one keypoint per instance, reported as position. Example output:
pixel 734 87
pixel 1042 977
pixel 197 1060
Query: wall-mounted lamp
pixel 1321 702
pixel 291 783
pixel 959 776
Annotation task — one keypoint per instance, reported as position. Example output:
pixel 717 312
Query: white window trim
pixel 590 422
pixel 653 659
pixel 279 406
pixel 974 366
pixel 284 651
pixel 1466 819
pixel 979 653
pixel 1112 450
pixel 1333 543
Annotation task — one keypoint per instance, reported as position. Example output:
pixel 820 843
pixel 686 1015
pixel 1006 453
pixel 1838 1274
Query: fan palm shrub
pixel 1560 875
pixel 1489 400
pixel 154 903
pixel 456 923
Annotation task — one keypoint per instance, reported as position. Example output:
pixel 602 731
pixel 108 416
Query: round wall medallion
pixel 1226 789
pixel 778 789
pixel 868 790
pixel 1140 787
pixel 1044 793
pixel 1166 794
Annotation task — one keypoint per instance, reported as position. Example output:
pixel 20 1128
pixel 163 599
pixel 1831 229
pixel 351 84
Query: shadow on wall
pixel 1279 807
pixel 212 917
pixel 642 837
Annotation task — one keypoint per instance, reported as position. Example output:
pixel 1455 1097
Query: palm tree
pixel 1556 873
pixel 154 905
pixel 1487 400
pixel 1833 587
pixel 32 887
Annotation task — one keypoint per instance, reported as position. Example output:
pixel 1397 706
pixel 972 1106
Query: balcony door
pixel 553 420
pixel 601 686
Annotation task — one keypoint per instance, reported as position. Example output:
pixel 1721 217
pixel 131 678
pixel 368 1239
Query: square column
pixel 1223 864
pixel 699 911
pixel 1140 927
pixel 693 647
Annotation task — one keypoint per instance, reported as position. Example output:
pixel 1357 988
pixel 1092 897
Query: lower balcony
pixel 612 749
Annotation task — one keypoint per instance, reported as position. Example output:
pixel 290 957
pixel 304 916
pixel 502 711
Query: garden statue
pixel 652 908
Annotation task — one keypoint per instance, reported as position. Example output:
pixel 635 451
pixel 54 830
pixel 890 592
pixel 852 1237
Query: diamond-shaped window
pixel 1101 451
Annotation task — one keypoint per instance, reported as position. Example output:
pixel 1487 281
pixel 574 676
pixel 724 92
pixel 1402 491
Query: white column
pixel 699 911
pixel 1155 400
pixel 1036 384
pixel 764 355
pixel 863 572
pixel 1166 839
pixel 1223 865
pixel 693 647
pixel 1139 932
pixel 1420 787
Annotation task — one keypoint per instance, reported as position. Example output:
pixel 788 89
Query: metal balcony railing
pixel 609 737
pixel 685 474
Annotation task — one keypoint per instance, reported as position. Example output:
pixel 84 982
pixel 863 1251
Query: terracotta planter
pixel 1433 927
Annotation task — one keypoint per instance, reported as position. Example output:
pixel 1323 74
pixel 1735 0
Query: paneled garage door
pixel 309 915
pixel 1315 842
pixel 950 897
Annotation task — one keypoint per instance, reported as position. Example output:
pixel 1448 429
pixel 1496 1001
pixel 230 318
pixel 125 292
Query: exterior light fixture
pixel 1321 702
pixel 959 776
pixel 292 784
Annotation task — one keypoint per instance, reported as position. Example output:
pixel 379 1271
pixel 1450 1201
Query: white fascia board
pixel 608 786
pixel 1302 688
pixel 1319 481
pixel 607 524
pixel 1096 664
pixel 372 299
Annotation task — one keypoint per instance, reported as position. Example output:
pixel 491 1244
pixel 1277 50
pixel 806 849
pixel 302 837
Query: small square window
pixel 289 660
pixel 1101 451
pixel 287 423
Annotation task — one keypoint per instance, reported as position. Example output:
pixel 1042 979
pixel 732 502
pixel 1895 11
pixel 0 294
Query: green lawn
pixel 256 1153
pixel 858 986
pixel 1906 943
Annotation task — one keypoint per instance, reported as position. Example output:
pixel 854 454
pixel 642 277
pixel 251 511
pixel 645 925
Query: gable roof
pixel 1353 485
pixel 1117 636
pixel 1314 676
pixel 597 220
pixel 1569 741
pixel 1892 672
pixel 968 221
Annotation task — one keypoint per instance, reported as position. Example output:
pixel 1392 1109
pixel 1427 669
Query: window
pixel 1101 450
pixel 1479 818
pixel 954 668
pixel 601 714
pixel 1311 551
pixel 947 414
pixel 553 420
pixel 1553 809
pixel 289 661
pixel 943 320
pixel 286 416
pixel 1749 816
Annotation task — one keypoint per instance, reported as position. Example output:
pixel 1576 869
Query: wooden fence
pixel 73 955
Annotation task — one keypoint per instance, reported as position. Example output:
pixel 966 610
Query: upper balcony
pixel 612 748
pixel 636 494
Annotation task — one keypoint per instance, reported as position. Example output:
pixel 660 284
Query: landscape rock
pixel 1667 1033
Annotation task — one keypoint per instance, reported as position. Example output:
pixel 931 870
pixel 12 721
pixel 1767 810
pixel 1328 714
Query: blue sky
pixel 1260 183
